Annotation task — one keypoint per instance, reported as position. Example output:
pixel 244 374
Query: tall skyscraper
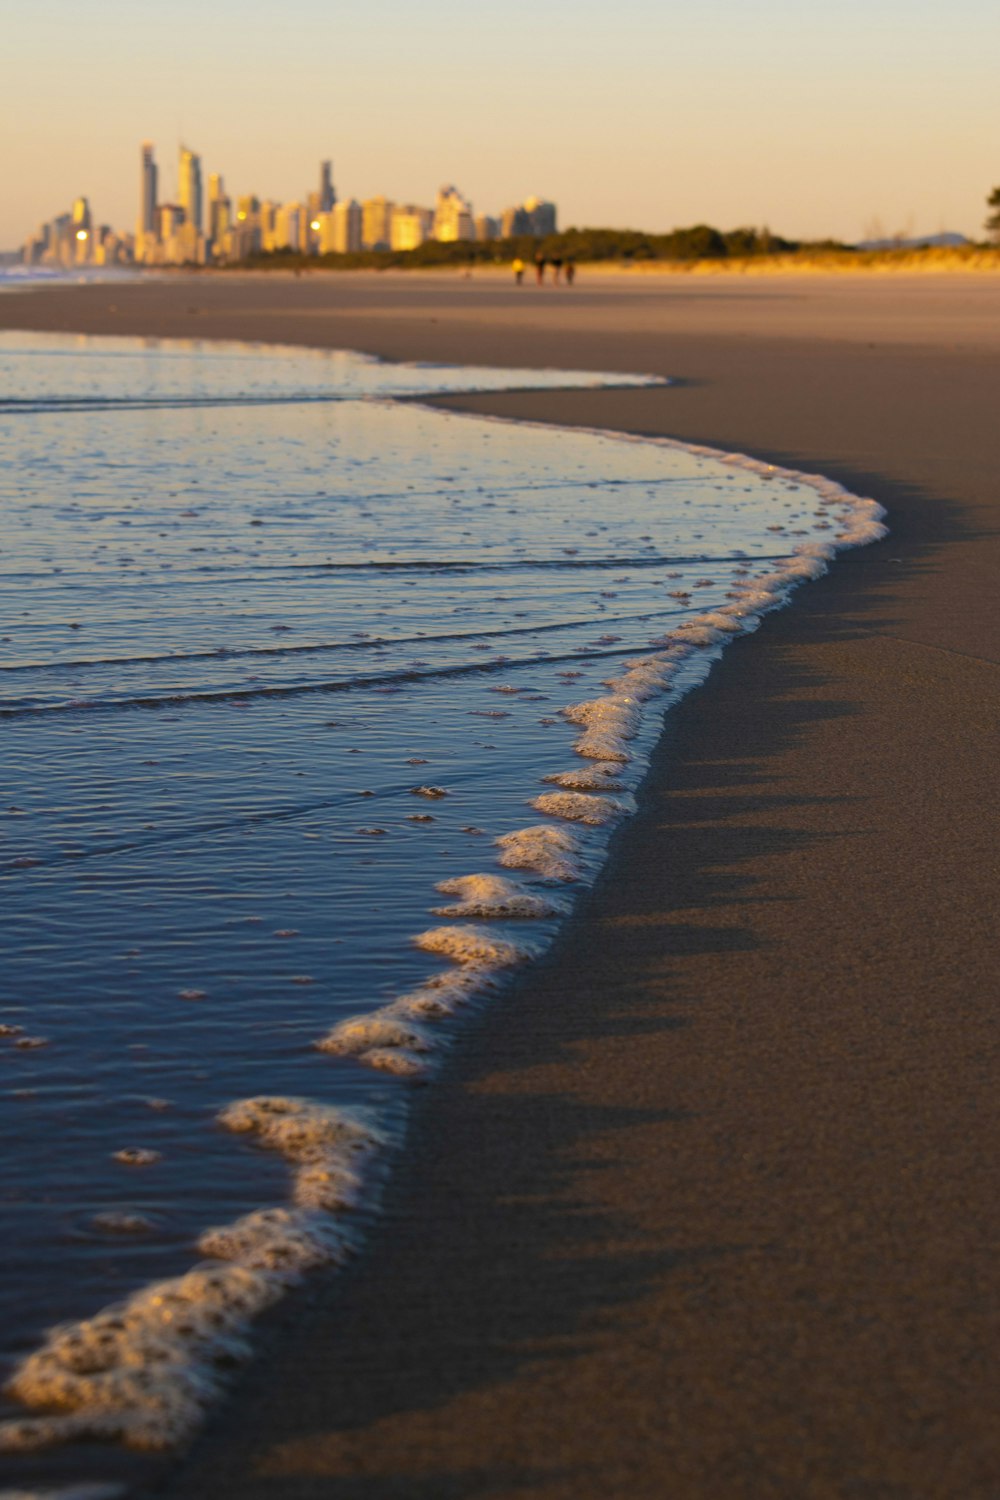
pixel 410 226
pixel 218 208
pixel 147 191
pixel 376 217
pixel 327 196
pixel 189 187
pixel 452 216
pixel 543 215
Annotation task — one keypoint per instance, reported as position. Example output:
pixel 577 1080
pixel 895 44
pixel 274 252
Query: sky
pixel 817 119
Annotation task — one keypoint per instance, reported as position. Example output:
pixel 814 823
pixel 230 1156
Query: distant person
pixel 557 266
pixel 540 264
pixel 518 271
pixel 570 272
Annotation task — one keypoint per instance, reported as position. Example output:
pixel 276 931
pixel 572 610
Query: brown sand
pixel 706 1208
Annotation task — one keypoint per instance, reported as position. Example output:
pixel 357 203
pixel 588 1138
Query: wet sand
pixel 705 1208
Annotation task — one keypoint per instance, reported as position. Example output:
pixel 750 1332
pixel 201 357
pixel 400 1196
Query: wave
pixel 236 694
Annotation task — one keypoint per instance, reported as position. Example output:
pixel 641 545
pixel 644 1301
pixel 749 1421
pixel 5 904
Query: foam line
pixel 145 1370
pixel 475 946
pixel 494 896
pixel 552 852
pixel 580 807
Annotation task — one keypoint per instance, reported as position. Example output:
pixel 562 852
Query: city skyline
pixel 812 120
pixel 180 233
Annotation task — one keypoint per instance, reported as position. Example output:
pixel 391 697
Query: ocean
pixel 318 706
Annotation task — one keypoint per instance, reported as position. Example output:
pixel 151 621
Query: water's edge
pixel 339 1159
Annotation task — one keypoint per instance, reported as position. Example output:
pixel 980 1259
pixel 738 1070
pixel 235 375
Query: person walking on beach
pixel 540 264
pixel 557 266
pixel 570 272
pixel 518 269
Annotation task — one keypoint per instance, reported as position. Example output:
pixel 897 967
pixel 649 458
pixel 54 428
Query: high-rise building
pixel 410 226
pixel 169 218
pixel 514 221
pixel 219 209
pixel 543 216
pixel 289 228
pixel 266 217
pixel 347 226
pixel 147 191
pixel 327 196
pixel 487 228
pixel 189 187
pixel 452 216
pixel 376 221
pixel 534 216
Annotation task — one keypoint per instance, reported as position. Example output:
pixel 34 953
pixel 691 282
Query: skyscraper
pixel 327 196
pixel 543 215
pixel 147 191
pixel 218 208
pixel 376 217
pixel 189 187
pixel 452 216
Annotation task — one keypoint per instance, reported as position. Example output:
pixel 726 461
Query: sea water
pixel 316 707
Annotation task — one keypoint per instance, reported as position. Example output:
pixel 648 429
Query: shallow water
pixel 278 656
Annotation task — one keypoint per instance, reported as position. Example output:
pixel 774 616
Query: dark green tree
pixel 992 225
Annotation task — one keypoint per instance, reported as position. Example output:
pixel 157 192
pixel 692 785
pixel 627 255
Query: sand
pixel 705 1208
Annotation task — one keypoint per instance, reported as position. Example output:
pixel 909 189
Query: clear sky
pixel 814 118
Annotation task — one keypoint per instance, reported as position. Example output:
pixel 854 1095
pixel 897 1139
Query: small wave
pixel 236 694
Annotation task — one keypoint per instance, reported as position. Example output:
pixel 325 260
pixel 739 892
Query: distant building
pixel 514 221
pixel 347 227
pixel 410 226
pixel 452 216
pixel 289 228
pixel 533 216
pixel 169 218
pixel 219 210
pixel 340 229
pixel 147 191
pixel 487 228
pixel 543 216
pixel 189 187
pixel 376 223
pixel 327 196
pixel 267 218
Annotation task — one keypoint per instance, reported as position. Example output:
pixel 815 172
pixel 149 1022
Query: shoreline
pixel 717 1170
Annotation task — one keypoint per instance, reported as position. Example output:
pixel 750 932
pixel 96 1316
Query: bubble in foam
pixel 145 1369
pixel 698 634
pixel 299 1128
pixel 593 778
pixel 548 851
pixel 494 896
pixel 476 946
pixel 443 993
pixel 579 807
pixel 383 1028
pixel 284 1240
pixel 608 724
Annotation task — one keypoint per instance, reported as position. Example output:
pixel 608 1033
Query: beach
pixel 704 1205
